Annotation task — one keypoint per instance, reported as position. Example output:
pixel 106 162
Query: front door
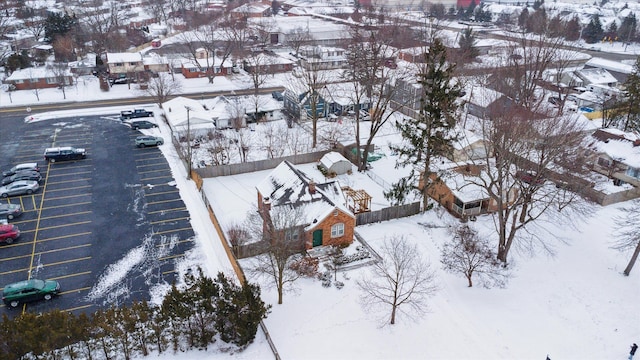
pixel 317 238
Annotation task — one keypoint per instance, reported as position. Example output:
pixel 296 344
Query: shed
pixel 334 163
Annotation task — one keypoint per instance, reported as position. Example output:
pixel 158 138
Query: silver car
pixel 20 187
pixel 142 141
pixel 10 211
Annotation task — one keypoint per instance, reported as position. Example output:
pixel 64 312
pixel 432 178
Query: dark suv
pixel 64 153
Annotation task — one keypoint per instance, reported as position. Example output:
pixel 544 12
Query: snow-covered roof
pixel 207 62
pixel 181 111
pixel 288 186
pixel 481 96
pixel 610 65
pixel 597 76
pixel 620 150
pixel 124 57
pixel 35 73
pixel 331 158
pixel 252 8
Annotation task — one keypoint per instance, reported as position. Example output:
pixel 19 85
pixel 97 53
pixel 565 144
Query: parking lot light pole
pixel 188 143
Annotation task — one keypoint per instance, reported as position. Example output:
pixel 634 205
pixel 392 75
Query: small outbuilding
pixel 334 163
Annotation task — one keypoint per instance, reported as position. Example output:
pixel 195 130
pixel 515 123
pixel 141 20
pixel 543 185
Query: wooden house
pixel 324 218
pixel 39 78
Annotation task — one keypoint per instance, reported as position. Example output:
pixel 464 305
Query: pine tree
pixel 572 29
pixel 593 31
pixel 58 24
pixel 467 44
pixel 631 102
pixel 430 134
pixel 627 29
pixel 239 311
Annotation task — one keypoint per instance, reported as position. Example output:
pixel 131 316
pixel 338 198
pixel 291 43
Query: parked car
pixel 142 141
pixel 136 113
pixel 21 167
pixel 21 175
pixel 64 154
pixel 10 211
pixel 29 290
pixel 9 233
pixel 142 124
pixel 19 187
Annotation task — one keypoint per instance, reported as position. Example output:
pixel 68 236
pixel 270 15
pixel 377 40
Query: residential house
pixel 299 102
pixel 267 64
pixel 288 30
pixel 251 10
pixel 484 103
pixel 188 117
pixel 155 63
pixel 341 100
pixel 205 65
pixel 460 195
pixel 597 76
pixel 124 65
pixel 322 216
pixel 414 54
pixel 84 66
pixel 617 69
pixel 39 78
pixel 616 154
pixel 322 58
pixel 469 147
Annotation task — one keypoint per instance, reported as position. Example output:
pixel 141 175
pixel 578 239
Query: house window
pixel 604 162
pixel 337 230
pixel 51 81
pixel 18 81
pixel 291 235
pixel 118 64
pixel 633 172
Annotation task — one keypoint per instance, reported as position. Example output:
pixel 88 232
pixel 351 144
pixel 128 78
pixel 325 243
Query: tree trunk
pixel 632 262
pixel 393 314
pixel 469 279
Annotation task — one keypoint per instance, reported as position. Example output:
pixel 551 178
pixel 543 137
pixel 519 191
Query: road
pixel 22 109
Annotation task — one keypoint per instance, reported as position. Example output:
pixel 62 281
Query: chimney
pixel 312 187
pixel 636 142
pixel 266 204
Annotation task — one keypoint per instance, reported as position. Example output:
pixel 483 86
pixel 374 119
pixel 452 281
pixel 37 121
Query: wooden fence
pixel 242 168
pixel 389 213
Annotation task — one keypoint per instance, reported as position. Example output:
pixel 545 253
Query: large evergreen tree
pixel 593 31
pixel 467 43
pixel 58 24
pixel 572 29
pixel 628 118
pixel 431 133
pixel 628 27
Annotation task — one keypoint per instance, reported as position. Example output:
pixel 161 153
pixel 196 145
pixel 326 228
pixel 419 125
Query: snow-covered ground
pixel 572 304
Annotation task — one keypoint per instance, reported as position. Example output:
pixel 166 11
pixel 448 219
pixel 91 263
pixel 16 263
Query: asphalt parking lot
pixel 107 227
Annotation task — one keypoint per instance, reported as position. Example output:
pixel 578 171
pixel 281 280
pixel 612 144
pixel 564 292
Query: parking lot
pixel 107 227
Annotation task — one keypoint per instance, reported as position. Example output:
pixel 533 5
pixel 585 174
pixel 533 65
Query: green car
pixel 29 290
pixel 142 141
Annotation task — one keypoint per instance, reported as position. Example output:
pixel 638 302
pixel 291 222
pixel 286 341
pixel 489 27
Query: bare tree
pixel 401 281
pixel 219 149
pixel 312 79
pixel 212 45
pixel 258 65
pixel 162 87
pixel 523 151
pixel 281 229
pixel 628 233
pixel 100 27
pixel 372 68
pixel 297 37
pixel 35 26
pixel 470 254
pixel 62 76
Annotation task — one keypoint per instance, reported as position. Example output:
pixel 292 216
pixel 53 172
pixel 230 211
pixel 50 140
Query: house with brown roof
pixel 324 217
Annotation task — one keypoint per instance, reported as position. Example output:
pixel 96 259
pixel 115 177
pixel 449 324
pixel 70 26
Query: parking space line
pixel 43 252
pixel 153 171
pixel 35 236
pixel 66 261
pixel 173 243
pixel 64 236
pixel 66 225
pixel 169 271
pixel 78 308
pixel 162 201
pixel 162 193
pixel 171 231
pixel 71 275
pixel 66 173
pixel 69 188
pixel 167 210
pixel 68 197
pixel 66 205
pixel 75 290
pixel 68 214
pixel 157 177
pixel 169 220
pixel 146 158
pixel 15 257
pixel 171 257
pixel 15 271
pixel 155 165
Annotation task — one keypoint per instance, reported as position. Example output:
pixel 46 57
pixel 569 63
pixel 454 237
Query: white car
pixel 21 167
